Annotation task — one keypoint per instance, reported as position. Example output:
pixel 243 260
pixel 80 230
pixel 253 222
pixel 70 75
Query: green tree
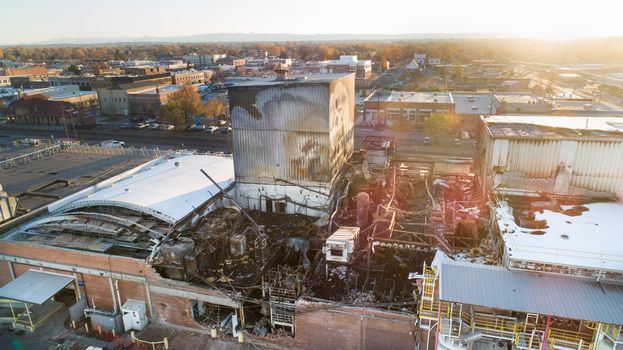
pixel 74 69
pixel 439 123
pixel 181 105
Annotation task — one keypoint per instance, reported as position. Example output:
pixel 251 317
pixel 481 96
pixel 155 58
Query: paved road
pixel 221 142
pixel 387 78
pixel 201 141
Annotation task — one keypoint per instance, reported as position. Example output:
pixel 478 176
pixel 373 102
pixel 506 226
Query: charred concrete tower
pixel 291 139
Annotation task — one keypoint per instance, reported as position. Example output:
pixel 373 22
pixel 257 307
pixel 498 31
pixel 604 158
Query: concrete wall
pixel 298 200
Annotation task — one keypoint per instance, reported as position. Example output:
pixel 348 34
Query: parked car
pixel 140 126
pixel 167 127
pixel 225 130
pixel 154 126
pixel 197 127
pixel 456 142
pixel 211 129
pixel 112 144
pixel 426 140
pixel 126 126
pixel 221 122
pixel 151 121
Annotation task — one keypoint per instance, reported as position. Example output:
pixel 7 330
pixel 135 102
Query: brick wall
pixel 353 329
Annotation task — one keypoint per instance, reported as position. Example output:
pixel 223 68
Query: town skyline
pixel 52 23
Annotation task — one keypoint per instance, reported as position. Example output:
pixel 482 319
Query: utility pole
pixel 64 119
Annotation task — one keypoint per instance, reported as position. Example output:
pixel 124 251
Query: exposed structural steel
pixel 35 287
pixel 497 287
pixel 133 211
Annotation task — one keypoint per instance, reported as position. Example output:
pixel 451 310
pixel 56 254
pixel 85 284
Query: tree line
pixel 604 50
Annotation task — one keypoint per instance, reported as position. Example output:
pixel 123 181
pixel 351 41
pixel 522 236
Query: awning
pixel 35 287
pixel 500 288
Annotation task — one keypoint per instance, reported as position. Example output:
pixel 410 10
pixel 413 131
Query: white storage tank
pixel 134 315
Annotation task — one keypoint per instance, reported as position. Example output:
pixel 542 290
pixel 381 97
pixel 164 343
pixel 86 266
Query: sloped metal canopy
pixel 35 287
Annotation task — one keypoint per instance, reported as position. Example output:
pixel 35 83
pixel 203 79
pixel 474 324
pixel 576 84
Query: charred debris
pixel 391 217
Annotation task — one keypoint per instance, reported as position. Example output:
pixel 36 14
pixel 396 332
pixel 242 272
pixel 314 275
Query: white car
pixel 211 129
pixel 154 126
pixel 112 144
pixel 167 127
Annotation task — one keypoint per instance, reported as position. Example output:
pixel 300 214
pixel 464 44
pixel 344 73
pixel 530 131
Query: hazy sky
pixel 37 20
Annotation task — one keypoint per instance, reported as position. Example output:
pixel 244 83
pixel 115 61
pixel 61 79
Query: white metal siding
pixel 596 165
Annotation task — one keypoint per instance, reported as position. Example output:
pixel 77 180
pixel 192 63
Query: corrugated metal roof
pixel 497 287
pixel 35 287
pixel 169 189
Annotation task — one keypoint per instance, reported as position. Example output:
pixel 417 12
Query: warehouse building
pixel 403 107
pixel 291 138
pixel 94 245
pixel 529 155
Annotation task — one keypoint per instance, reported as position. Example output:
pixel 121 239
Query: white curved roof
pixel 168 189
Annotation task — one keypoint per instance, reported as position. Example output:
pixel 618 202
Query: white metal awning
pixel 35 287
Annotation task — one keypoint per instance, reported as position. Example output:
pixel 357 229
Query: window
pixel 336 252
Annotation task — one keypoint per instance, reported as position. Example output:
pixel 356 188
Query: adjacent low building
pixel 114 99
pixel 202 60
pixel 518 103
pixel 56 106
pixel 532 155
pixel 145 70
pixel 147 102
pixel 470 106
pixel 188 77
pixel 85 82
pixel 402 107
pixel 350 64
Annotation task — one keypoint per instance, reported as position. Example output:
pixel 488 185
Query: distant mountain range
pixel 251 37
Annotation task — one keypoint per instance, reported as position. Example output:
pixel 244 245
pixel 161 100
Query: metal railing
pixel 154 344
pixel 29 157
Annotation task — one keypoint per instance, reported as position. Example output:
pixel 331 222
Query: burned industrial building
pixel 291 138
pixel 301 232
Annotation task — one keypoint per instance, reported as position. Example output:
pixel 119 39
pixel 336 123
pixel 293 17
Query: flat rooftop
pixel 479 104
pixel 554 127
pixel 413 97
pixel 586 235
pixel 64 95
pixel 293 79
pixel 152 90
pixel 517 98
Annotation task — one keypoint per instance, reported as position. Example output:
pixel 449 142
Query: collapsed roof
pixel 130 213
